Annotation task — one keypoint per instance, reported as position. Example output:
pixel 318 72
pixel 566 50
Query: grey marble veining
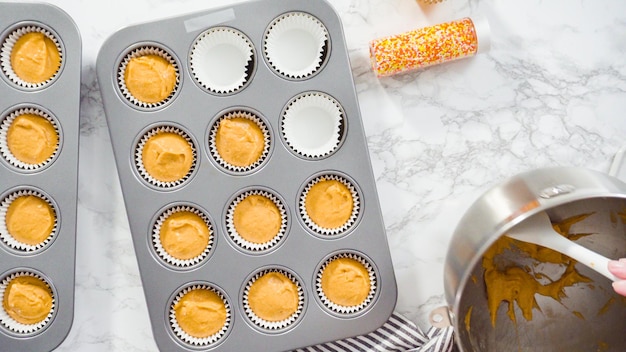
pixel 551 91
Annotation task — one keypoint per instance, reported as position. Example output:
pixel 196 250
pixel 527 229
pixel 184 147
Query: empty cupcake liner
pixel 163 254
pixel 213 147
pixel 296 45
pixel 4 148
pixel 7 48
pixel 192 340
pixel 222 60
pixel 8 239
pixel 346 310
pixel 143 51
pixel 139 157
pixel 273 326
pixel 312 125
pixel 245 244
pixel 356 206
pixel 7 322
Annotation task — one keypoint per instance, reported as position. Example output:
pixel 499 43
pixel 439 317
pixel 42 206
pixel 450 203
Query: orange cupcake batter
pixel 257 219
pixel 167 156
pixel 30 219
pixel 346 282
pixel 329 204
pixel 184 235
pixel 32 139
pixel 513 284
pixel 239 141
pixel 201 313
pixel 273 297
pixel 150 78
pixel 35 58
pixel 27 300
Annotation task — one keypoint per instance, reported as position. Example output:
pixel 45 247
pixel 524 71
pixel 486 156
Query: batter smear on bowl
pixel 515 284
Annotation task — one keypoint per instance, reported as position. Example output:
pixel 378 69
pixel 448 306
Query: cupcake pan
pixel 57 179
pixel 283 172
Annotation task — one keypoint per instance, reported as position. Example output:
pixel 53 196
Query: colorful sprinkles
pixel 423 47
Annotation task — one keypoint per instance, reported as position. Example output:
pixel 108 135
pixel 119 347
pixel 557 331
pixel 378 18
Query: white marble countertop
pixel 551 91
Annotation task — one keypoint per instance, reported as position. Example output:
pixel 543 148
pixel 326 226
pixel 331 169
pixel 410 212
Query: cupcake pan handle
pixel 209 20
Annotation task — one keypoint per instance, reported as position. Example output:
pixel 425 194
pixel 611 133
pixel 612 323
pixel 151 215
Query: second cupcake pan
pixel 38 186
pixel 278 70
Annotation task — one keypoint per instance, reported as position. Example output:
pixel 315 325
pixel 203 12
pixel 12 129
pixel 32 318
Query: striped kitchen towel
pixel 398 334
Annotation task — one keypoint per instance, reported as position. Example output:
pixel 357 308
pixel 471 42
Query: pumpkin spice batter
pixel 257 219
pixel 30 219
pixel 35 58
pixel 32 139
pixel 150 78
pixel 329 204
pixel 514 284
pixel 201 313
pixel 167 156
pixel 27 299
pixel 239 141
pixel 273 297
pixel 346 282
pixel 184 235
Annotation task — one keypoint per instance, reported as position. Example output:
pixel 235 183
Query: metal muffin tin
pixel 211 189
pixel 58 180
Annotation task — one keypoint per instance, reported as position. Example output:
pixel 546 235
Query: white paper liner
pixel 330 231
pixel 245 244
pixel 4 147
pixel 294 45
pixel 7 48
pixel 192 340
pixel 8 239
pixel 311 125
pixel 139 156
pixel 273 325
pixel 220 60
pixel 143 51
pixel 11 324
pixel 163 254
pixel 213 147
pixel 340 308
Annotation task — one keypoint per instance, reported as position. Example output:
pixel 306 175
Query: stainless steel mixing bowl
pixel 591 317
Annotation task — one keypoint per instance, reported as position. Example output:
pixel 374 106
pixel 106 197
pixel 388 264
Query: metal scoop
pixel 538 230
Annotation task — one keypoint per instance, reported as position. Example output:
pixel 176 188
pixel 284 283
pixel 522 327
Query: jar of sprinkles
pixel 429 46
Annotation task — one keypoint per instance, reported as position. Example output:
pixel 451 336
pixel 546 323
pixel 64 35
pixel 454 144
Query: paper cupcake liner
pixel 216 155
pixel 251 246
pixel 8 239
pixel 273 325
pixel 282 53
pixel 192 340
pixel 221 60
pixel 312 125
pixel 163 254
pixel 142 51
pixel 356 208
pixel 139 157
pixel 346 310
pixel 4 147
pixel 7 48
pixel 11 324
